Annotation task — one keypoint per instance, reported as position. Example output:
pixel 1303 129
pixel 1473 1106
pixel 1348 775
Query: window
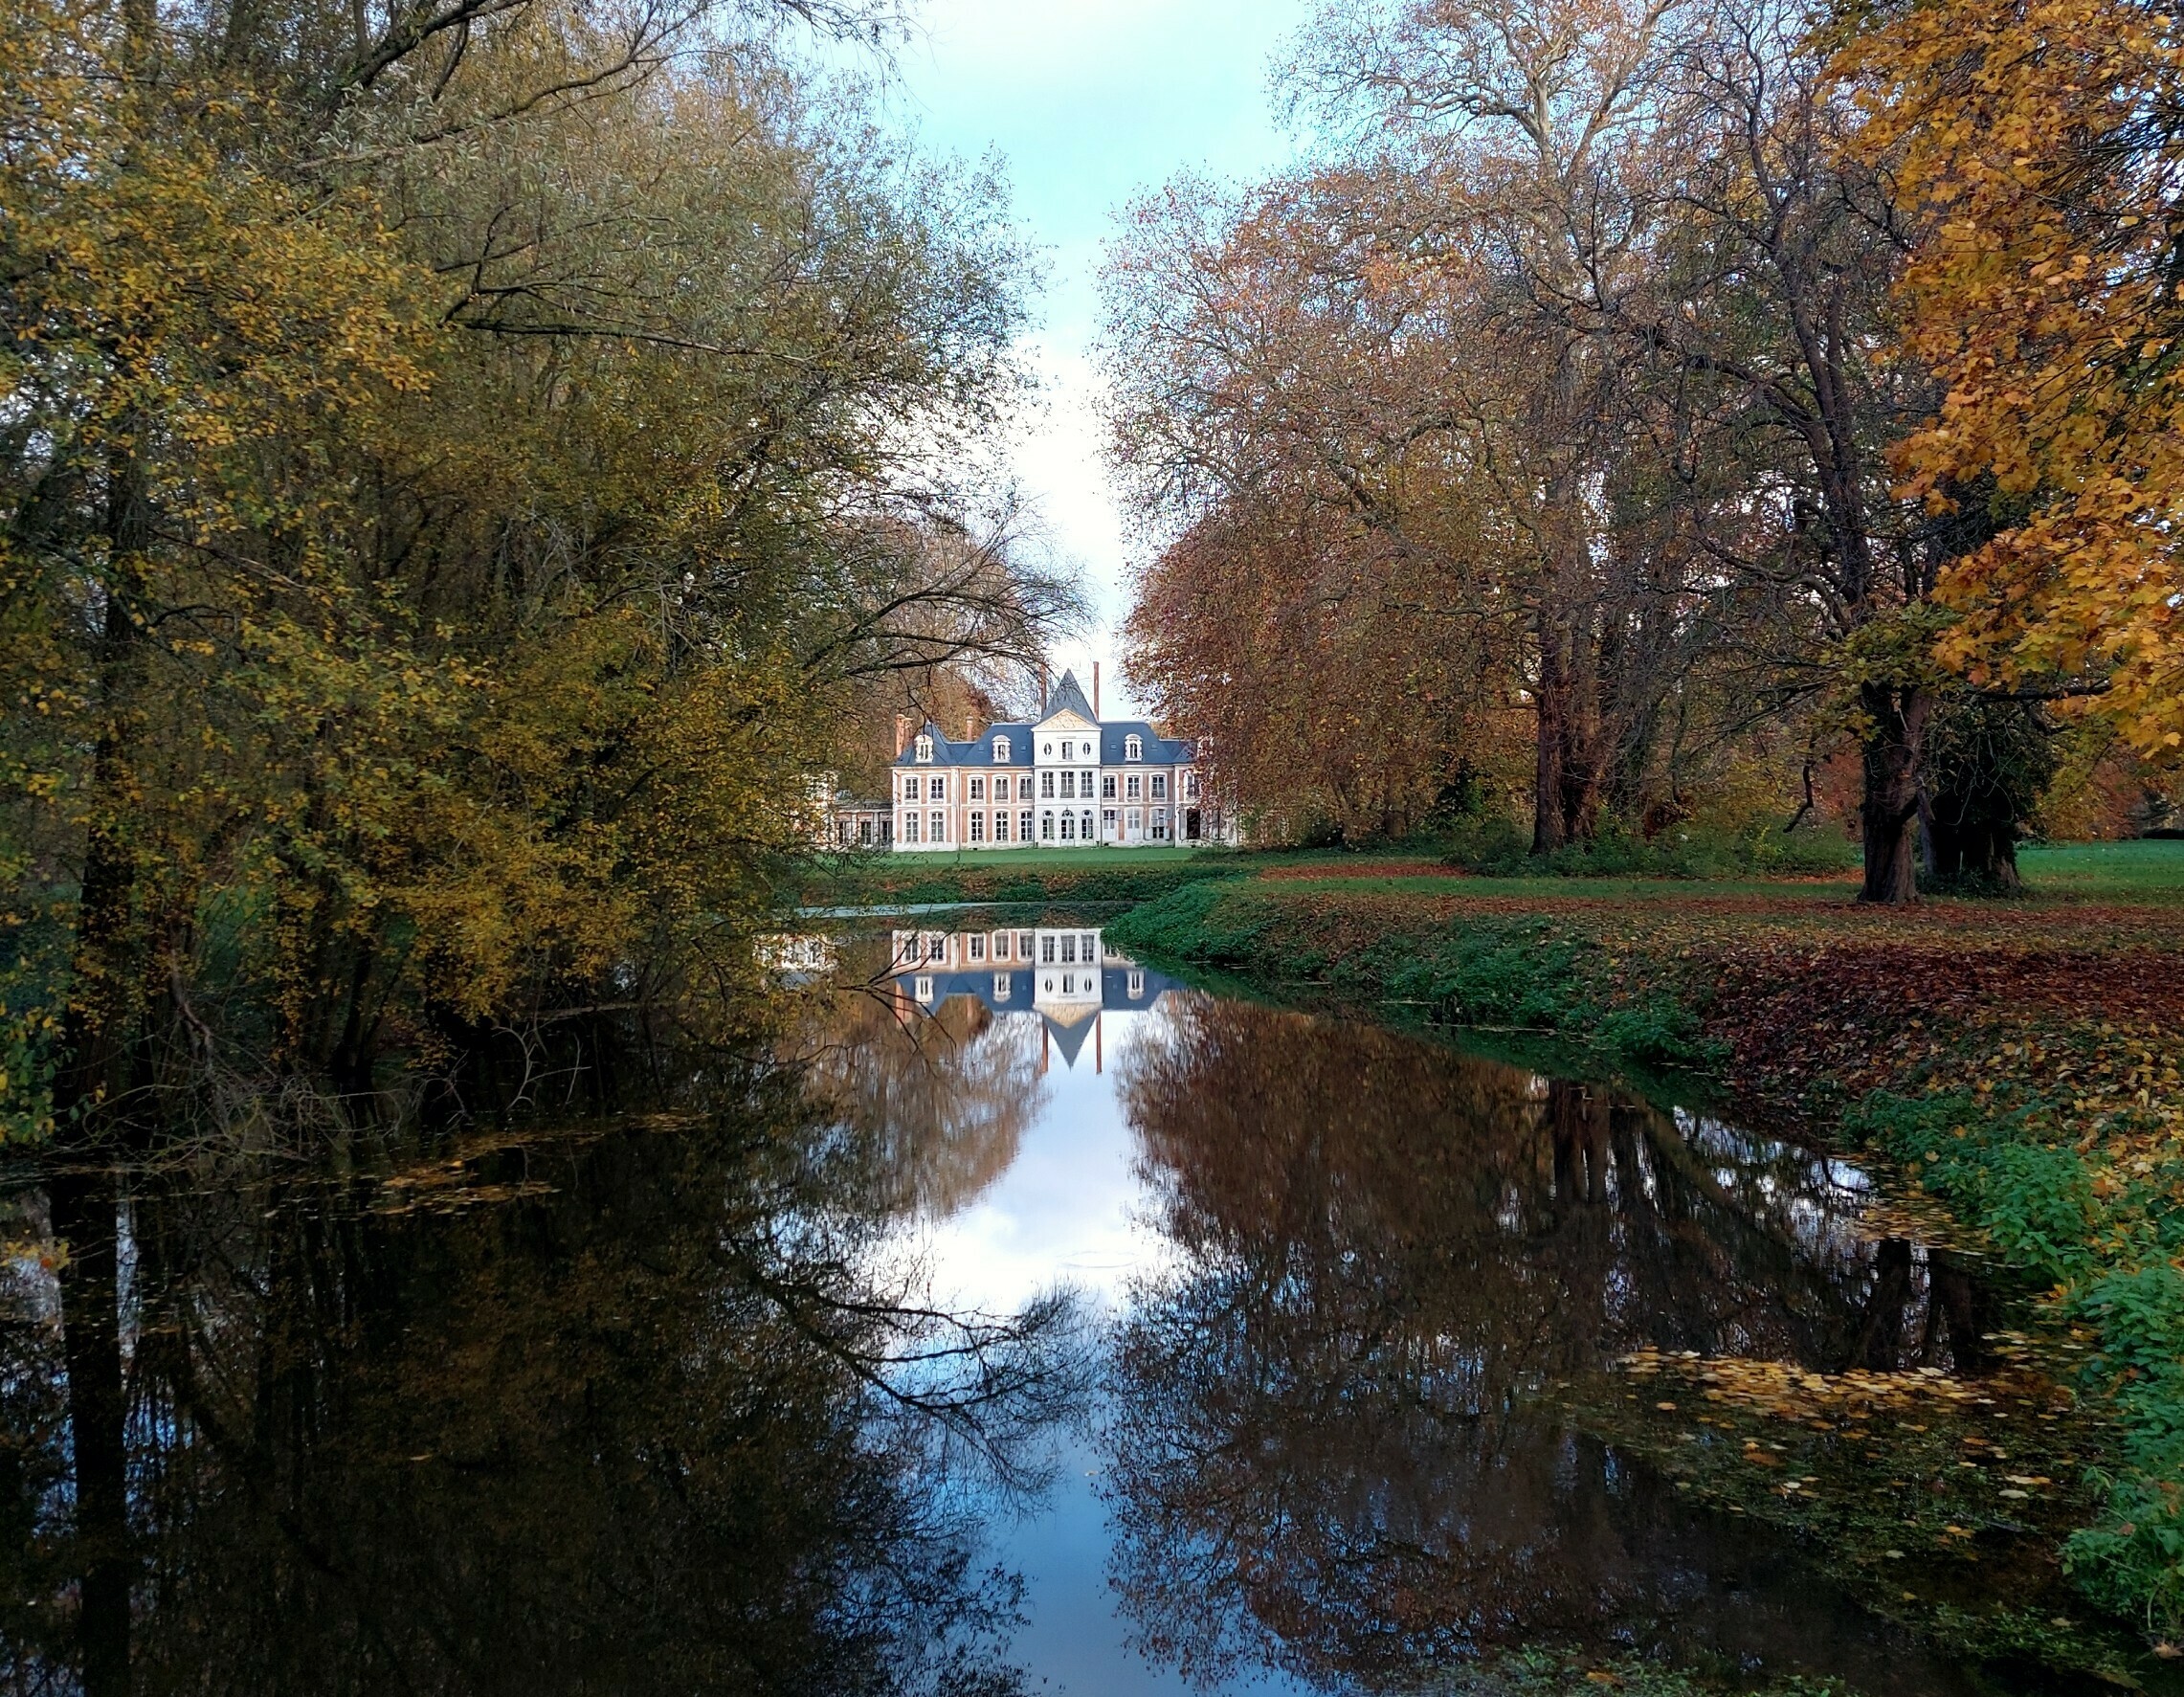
pixel 939 831
pixel 1068 750
pixel 1024 823
pixel 1046 785
pixel 1000 750
pixel 1085 824
pixel 978 789
pixel 910 790
pixel 1133 786
pixel 1046 952
pixel 936 944
pixel 1191 786
pixel 977 944
pixel 1024 789
pixel 1069 827
pixel 1069 950
pixel 1068 984
pixel 1089 946
pixel 1048 750
pixel 1136 818
pixel 1000 827
pixel 925 750
pixel 1069 785
pixel 977 827
pixel 1106 786
pixel 1133 747
pixel 1107 821
pixel 1046 827
pixel 936 788
pixel 1001 987
pixel 1160 822
pixel 1000 947
pixel 1134 987
pixel 1084 786
pixel 864 831
pixel 1023 946
pixel 1159 786
pixel 909 827
pixel 924 990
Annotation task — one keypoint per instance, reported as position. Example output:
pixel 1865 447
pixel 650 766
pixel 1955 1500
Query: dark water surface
pixel 1048 1326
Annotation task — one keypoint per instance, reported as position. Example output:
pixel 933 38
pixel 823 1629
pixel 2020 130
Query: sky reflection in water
pixel 622 1405
pixel 1331 1263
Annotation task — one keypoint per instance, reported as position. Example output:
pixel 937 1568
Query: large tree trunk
pixel 83 1217
pixel 1889 815
pixel 1551 704
pixel 106 975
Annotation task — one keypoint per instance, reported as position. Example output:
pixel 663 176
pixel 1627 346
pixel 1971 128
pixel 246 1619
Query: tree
pixel 459 463
pixel 2041 143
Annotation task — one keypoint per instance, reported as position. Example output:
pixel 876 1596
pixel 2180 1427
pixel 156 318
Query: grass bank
pixel 2020 1064
pixel 1006 876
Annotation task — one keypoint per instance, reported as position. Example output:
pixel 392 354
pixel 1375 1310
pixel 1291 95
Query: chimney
pixel 1095 690
pixel 902 733
pixel 971 728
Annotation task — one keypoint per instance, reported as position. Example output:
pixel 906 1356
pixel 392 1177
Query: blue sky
pixel 1090 102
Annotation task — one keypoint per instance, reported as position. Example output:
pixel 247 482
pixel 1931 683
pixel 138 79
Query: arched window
pixel 925 750
pixel 1133 749
pixel 1046 827
pixel 1000 750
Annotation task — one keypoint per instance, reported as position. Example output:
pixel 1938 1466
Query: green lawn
pixel 2142 871
pixel 1040 859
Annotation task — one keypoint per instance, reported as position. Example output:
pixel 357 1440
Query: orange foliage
pixel 2039 140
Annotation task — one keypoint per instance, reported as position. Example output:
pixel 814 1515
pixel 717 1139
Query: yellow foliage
pixel 2043 293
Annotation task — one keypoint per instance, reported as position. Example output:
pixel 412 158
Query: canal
pixel 1020 1318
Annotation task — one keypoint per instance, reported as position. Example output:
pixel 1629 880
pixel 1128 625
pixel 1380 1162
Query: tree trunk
pixel 1549 700
pixel 84 1217
pixel 1889 815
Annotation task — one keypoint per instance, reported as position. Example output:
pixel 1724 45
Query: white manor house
pixel 1066 779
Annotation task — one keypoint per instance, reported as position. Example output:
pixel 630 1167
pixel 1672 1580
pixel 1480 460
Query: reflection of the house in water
pixel 1065 976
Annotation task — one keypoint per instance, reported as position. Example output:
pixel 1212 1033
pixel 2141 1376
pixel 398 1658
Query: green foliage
pixel 435 572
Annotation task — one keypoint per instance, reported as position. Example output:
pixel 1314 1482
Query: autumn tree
pixel 2041 143
pixel 458 461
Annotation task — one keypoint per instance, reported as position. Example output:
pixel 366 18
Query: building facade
pixel 1066 779
pixel 1066 976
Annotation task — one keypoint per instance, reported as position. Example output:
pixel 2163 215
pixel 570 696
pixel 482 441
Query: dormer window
pixel 1133 749
pixel 1000 750
pixel 925 750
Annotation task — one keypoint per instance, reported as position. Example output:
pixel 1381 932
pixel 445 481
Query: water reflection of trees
pixel 615 1414
pixel 936 1101
pixel 1321 1450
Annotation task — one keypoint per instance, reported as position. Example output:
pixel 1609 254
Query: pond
pixel 1022 1318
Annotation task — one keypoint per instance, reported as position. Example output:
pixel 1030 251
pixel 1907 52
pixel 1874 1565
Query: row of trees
pixel 1621 379
pixel 464 465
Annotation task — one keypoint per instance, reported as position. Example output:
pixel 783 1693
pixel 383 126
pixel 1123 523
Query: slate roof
pixel 1114 733
pixel 1068 1035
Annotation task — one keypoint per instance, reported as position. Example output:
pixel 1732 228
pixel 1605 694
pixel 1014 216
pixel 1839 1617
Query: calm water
pixel 1044 1325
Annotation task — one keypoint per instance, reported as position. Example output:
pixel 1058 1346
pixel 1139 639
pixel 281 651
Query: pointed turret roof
pixel 1068 697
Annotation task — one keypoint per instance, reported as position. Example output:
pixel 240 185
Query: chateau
pixel 1065 779
pixel 1069 978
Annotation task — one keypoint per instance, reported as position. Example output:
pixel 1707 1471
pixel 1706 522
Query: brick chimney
pixel 902 733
